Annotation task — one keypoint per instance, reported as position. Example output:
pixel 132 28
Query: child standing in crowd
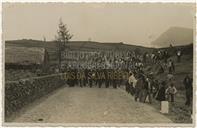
pixel 171 91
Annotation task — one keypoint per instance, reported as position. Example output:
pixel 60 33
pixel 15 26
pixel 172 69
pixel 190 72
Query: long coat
pixel 161 94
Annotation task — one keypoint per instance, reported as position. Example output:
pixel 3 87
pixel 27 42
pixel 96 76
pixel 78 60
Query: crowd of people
pixel 146 87
pixel 128 68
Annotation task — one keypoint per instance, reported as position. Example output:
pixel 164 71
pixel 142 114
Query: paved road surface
pixel 90 105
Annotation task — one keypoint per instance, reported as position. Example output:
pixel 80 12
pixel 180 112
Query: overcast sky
pixel 130 23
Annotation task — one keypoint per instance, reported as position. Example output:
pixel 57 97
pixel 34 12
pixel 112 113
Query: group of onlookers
pixel 138 83
pixel 146 87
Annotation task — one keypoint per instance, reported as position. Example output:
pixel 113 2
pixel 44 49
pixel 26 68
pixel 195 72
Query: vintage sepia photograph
pixel 101 64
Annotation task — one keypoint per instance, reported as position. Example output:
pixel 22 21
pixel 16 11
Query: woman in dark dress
pixel 161 92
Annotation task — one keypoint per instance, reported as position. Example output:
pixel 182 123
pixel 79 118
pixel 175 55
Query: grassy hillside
pixel 83 45
pixel 178 113
pixel 52 46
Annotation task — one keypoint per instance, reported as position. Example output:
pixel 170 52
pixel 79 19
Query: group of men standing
pixel 95 77
pixel 142 87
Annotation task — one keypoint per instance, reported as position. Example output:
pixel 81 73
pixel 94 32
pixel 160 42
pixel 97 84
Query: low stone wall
pixel 24 91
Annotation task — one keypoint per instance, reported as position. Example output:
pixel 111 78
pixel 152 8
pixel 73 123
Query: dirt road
pixel 90 105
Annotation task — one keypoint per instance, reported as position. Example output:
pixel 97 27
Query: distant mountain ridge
pixel 175 36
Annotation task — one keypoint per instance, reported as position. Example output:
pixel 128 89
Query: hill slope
pixel 52 46
pixel 82 45
pixel 174 35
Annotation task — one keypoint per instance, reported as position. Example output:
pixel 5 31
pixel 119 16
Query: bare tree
pixel 62 37
pixel 63 34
